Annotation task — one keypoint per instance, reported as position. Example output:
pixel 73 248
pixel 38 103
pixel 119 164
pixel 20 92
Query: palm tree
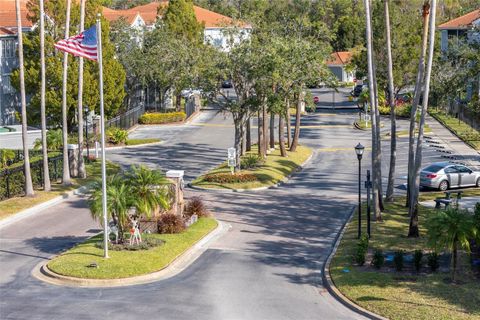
pixel 415 187
pixel 148 190
pixel 119 201
pixel 416 99
pixel 451 229
pixel 66 168
pixel 391 101
pixel 46 173
pixel 28 176
pixel 81 165
pixel 53 141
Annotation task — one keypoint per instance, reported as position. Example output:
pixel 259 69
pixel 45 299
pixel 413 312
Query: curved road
pixel 267 266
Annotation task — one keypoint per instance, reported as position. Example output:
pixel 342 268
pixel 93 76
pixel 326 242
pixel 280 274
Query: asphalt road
pixel 266 267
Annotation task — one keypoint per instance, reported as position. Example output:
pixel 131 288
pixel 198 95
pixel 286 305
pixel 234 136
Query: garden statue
pixel 112 228
pixel 135 236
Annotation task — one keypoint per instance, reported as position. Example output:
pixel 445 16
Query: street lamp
pixel 359 151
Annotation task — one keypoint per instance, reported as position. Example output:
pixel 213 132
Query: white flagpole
pixel 102 130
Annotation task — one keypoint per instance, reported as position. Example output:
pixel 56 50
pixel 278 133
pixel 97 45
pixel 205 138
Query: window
pixel 462 169
pixel 6 85
pixel 8 48
pixel 433 168
pixel 451 170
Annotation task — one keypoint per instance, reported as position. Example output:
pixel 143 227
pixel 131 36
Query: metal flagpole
pixel 102 130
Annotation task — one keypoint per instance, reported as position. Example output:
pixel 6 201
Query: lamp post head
pixel 359 150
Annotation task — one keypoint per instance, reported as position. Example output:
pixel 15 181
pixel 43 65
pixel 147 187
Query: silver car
pixel 445 175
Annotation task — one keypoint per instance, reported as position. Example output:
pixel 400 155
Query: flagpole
pixel 102 130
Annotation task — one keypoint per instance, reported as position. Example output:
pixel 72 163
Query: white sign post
pixel 232 159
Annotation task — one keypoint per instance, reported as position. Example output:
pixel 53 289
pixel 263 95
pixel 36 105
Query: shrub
pixel 378 259
pixel 196 206
pixel 417 259
pixel 116 135
pixel 170 223
pixel 361 250
pixel 251 161
pixel 159 118
pixel 398 260
pixel 6 156
pixel 401 110
pixel 146 244
pixel 432 261
pixel 230 178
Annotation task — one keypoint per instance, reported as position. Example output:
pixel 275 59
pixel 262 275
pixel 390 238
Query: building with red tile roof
pixel 338 65
pixel 464 28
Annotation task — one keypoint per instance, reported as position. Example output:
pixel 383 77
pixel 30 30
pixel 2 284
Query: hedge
pixel 159 118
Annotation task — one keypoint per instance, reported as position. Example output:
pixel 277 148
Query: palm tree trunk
pixel 298 114
pixel 28 176
pixel 454 260
pixel 248 135
pixel 289 125
pixel 372 98
pixel 265 128
pixel 81 165
pixel 413 207
pixel 46 171
pixel 66 168
pixel 416 100
pixel 391 101
pixel 261 149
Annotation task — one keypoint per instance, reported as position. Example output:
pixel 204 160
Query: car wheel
pixel 478 183
pixel 443 186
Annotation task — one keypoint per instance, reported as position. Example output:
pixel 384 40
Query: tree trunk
pixel 272 130
pixel 416 100
pixel 238 123
pixel 289 125
pixel 244 140
pixel 261 148
pixel 46 171
pixel 298 114
pixel 82 173
pixel 414 192
pixel 178 102
pixel 265 128
pixel 248 135
pixel 28 176
pixel 378 155
pixel 453 262
pixel 66 168
pixel 391 101
pixel 372 100
pixel 281 135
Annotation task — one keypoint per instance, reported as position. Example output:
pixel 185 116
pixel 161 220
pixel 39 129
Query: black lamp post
pixel 86 132
pixel 359 151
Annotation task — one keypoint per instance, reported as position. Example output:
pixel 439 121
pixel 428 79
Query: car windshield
pixel 433 168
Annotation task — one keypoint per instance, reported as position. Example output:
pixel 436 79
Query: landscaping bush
pixel 146 244
pixel 159 118
pixel 250 161
pixel 361 250
pixel 432 261
pixel 133 142
pixel 401 110
pixel 196 206
pixel 170 223
pixel 116 135
pixel 417 259
pixel 398 260
pixel 6 156
pixel 378 259
pixel 230 178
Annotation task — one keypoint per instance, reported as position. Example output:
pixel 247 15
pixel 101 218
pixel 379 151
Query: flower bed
pixel 160 118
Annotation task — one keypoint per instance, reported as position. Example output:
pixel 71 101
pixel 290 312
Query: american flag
pixel 81 45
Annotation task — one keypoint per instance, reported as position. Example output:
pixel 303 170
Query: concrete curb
pixel 276 185
pixel 357 126
pixel 180 263
pixel 92 151
pixel 42 206
pixel 330 285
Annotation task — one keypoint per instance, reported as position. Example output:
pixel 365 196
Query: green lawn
pixel 134 142
pixel 402 296
pixel 461 129
pixel 17 204
pixel 271 172
pixel 431 195
pixel 123 264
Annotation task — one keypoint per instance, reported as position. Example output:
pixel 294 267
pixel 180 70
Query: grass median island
pixel 123 264
pixel 273 170
pixel 134 142
pixel 17 204
pixel 402 295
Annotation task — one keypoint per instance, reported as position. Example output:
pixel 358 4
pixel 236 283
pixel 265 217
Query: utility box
pixel 73 159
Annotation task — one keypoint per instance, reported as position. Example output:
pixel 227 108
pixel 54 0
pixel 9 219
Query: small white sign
pixel 232 153
pixel 232 162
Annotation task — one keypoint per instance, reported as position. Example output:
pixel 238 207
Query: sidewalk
pixel 460 150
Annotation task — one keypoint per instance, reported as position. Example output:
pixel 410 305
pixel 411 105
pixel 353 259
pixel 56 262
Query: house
pixel 338 65
pixel 9 98
pixel 464 28
pixel 145 17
